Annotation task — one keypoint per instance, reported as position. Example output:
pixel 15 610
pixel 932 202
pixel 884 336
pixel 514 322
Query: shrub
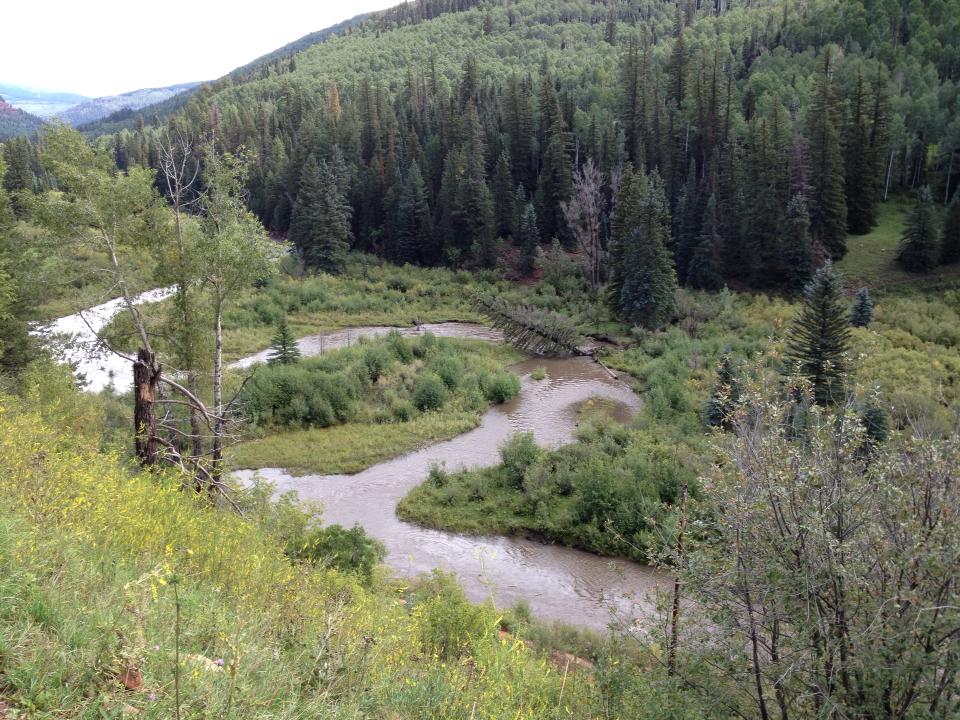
pixel 351 551
pixel 449 625
pixel 450 369
pixel 517 454
pixel 377 361
pixel 403 411
pixel 501 386
pixel 430 393
pixel 400 347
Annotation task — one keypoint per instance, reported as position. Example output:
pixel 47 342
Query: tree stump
pixel 146 376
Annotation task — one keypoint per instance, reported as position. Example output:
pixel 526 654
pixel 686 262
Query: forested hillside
pixel 441 131
pixel 14 122
pixel 725 240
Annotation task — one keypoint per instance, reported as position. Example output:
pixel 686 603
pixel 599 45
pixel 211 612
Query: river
pixel 558 582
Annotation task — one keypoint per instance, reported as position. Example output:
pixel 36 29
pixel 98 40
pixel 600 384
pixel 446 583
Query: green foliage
pixel 351 551
pixel 517 454
pixel 500 387
pixel 950 243
pixel 320 221
pixel 919 248
pixel 449 626
pixel 725 398
pixel 861 315
pixel 828 216
pixel 284 349
pixel 430 394
pixel 528 328
pixel 819 338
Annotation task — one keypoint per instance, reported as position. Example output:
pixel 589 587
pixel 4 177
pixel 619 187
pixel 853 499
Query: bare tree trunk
pixel 146 375
pixel 218 424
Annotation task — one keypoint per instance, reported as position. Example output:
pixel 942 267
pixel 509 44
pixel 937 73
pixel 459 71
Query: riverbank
pixel 375 394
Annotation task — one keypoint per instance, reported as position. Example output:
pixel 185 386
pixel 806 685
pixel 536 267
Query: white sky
pixel 106 47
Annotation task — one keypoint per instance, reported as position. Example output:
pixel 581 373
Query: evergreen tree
pixel 704 271
pixel 555 183
pixel 862 313
pixel 819 338
pixel 725 396
pixel 919 249
pixel 828 212
pixel 950 246
pixel 503 196
pixel 648 280
pixel 283 348
pixel 860 165
pixel 320 222
pixel 528 239
pixel 412 222
pixel 797 257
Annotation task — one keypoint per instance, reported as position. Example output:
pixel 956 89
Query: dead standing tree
pixel 583 213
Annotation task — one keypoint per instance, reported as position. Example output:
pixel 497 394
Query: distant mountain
pixel 99 108
pixel 38 102
pixel 14 121
pixel 127 117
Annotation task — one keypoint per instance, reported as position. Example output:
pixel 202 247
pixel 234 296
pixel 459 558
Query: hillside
pixel 15 122
pixel 99 108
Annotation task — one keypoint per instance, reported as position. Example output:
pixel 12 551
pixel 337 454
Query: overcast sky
pixel 106 47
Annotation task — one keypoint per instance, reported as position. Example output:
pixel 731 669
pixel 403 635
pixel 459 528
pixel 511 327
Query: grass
pixel 352 447
pixel 871 259
pixel 384 422
pixel 107 575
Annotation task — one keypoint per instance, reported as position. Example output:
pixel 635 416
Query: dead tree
pixel 146 377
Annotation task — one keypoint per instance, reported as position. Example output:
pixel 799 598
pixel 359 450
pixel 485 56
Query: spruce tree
pixel 528 239
pixel 704 270
pixel 919 249
pixel 283 348
pixel 411 225
pixel 797 253
pixel 819 338
pixel 649 281
pixel 862 313
pixel 503 196
pixel 950 246
pixel 725 396
pixel 320 222
pixel 828 211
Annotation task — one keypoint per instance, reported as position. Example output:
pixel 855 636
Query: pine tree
pixel 411 225
pixel 725 396
pixel 649 281
pixel 919 249
pixel 862 313
pixel 528 239
pixel 503 196
pixel 555 183
pixel 704 271
pixel 950 246
pixel 859 163
pixel 283 348
pixel 828 212
pixel 320 222
pixel 797 255
pixel 819 338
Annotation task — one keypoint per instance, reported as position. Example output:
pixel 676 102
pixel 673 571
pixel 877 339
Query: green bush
pixel 430 393
pixel 450 369
pixel 378 362
pixel 449 625
pixel 501 386
pixel 517 454
pixel 351 551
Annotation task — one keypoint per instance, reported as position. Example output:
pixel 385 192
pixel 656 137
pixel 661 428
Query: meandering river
pixel 558 582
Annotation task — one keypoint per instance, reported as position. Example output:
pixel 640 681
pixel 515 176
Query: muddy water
pixel 558 582
pixel 75 341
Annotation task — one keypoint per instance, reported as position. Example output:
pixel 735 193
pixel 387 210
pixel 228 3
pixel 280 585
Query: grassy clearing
pixel 871 259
